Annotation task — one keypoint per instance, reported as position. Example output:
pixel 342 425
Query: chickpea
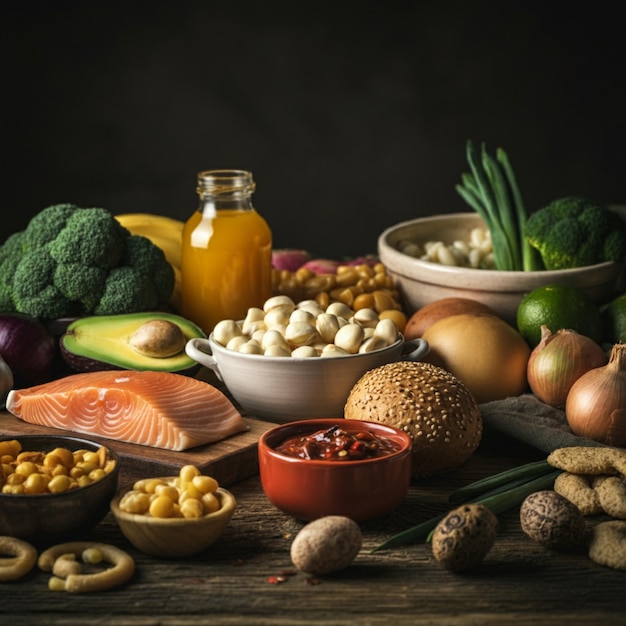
pixel 37 473
pixel 190 495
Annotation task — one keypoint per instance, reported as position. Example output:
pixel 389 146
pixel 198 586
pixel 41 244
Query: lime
pixel 614 318
pixel 558 306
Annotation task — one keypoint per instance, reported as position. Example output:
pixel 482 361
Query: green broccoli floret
pixel 34 292
pixel 126 291
pixel 575 232
pixel 90 237
pixel 46 225
pixel 80 283
pixel 150 260
pixel 80 261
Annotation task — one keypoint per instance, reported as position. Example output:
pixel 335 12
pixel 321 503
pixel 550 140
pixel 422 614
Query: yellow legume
pixel 190 494
pixel 192 508
pixel 210 503
pixel 187 473
pixel 59 483
pixel 161 506
pixel 205 484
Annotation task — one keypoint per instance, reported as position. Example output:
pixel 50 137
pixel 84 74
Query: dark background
pixel 352 115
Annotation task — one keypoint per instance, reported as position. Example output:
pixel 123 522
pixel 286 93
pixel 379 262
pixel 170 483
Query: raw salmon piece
pixel 158 409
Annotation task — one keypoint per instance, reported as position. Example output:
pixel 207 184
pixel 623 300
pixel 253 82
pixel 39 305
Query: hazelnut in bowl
pixel 422 281
pixel 286 370
pixel 54 487
pixel 174 516
pixel 317 467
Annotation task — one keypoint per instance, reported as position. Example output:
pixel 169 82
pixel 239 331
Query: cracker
pixel 608 544
pixel 611 492
pixel 589 460
pixel 578 490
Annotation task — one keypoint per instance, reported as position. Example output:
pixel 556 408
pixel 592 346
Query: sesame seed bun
pixel 433 407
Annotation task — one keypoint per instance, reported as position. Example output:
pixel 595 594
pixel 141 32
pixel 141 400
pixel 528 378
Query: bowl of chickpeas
pixel 299 360
pixel 54 486
pixel 174 516
pixel 450 255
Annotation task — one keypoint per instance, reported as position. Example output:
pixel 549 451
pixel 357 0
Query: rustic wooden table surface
pixel 230 583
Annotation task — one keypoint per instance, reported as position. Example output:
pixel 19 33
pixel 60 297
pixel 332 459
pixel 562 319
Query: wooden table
pixel 519 581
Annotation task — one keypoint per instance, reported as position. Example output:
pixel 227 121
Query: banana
pixel 141 223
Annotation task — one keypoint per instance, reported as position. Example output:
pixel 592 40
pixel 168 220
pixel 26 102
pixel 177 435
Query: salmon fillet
pixel 158 409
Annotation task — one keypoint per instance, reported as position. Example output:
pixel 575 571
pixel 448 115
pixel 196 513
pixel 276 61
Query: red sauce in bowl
pixel 336 444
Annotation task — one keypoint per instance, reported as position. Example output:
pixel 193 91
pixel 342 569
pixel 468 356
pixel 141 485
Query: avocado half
pixel 103 342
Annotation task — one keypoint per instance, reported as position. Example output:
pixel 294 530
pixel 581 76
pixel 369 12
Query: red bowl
pixel 309 489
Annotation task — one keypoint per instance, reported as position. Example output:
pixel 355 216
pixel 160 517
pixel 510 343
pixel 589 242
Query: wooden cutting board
pixel 228 461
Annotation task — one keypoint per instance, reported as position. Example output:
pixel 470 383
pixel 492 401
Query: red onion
pixel 27 347
pixel 558 361
pixel 596 404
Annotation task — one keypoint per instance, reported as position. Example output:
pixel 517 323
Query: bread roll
pixel 433 407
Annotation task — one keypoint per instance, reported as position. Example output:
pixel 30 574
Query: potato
pixel 326 545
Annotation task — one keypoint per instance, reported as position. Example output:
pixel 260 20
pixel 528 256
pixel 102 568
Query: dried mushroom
pixel 463 538
pixel 552 520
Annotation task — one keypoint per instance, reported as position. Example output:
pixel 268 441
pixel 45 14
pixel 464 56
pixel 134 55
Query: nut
pixel 464 536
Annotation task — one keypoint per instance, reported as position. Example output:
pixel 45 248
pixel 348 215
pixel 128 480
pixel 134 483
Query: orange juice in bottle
pixel 226 251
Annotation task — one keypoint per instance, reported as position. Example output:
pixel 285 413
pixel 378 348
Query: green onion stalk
pixel 491 189
pixel 499 493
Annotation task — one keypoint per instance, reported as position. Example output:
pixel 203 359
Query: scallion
pixel 502 498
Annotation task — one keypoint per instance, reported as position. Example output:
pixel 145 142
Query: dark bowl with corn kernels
pixel 54 487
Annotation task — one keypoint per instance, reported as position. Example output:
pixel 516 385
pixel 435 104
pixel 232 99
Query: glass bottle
pixel 226 251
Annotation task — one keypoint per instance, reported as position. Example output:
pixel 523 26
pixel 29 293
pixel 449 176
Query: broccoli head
pixel 576 232
pixel 73 261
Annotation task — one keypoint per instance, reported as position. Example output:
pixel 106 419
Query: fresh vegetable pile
pixel 567 233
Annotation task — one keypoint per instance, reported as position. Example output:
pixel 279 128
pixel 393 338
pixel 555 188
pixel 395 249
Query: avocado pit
pixel 158 339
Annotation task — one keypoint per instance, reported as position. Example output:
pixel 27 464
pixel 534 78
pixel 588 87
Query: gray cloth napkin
pixel 531 421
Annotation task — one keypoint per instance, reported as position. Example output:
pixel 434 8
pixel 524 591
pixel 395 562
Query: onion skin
pixel 558 361
pixel 28 348
pixel 596 404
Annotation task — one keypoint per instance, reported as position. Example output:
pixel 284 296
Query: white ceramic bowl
pixel 421 282
pixel 285 389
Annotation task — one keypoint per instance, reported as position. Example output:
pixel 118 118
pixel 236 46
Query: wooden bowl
pixel 174 537
pixel 421 282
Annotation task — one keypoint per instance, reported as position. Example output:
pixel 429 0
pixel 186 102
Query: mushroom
pixel 464 536
pixel 552 520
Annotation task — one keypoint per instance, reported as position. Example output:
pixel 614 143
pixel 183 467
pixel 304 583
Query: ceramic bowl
pixel 283 389
pixel 308 489
pixel 421 282
pixel 56 515
pixel 174 537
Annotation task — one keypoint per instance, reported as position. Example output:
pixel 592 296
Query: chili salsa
pixel 337 444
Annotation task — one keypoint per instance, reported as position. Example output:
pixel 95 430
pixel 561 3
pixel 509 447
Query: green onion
pixel 498 501
pixel 521 472
pixel 492 191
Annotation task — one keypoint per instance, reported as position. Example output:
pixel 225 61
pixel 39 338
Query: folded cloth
pixel 531 421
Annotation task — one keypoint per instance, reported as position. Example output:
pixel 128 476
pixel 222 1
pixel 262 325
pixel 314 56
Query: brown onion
pixel 596 404
pixel 558 361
